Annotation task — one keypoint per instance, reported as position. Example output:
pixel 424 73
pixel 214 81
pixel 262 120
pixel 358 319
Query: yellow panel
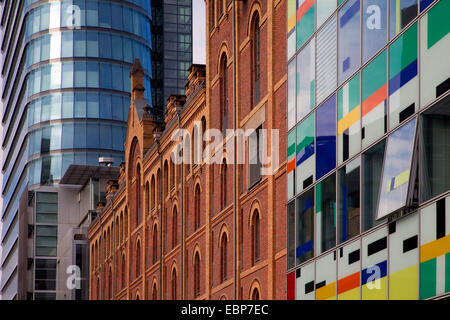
pixel 326 292
pixel 349 119
pixel 291 23
pixel 435 248
pixel 375 294
pixel 353 294
pixel 402 178
pixel 403 284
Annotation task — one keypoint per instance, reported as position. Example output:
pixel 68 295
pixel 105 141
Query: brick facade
pixel 190 213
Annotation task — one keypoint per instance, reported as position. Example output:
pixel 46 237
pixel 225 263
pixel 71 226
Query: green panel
pixel 311 94
pixel 374 75
pixel 291 145
pixel 305 132
pixel 403 51
pixel 319 197
pixel 305 27
pixel 438 25
pixel 428 279
pixel 447 272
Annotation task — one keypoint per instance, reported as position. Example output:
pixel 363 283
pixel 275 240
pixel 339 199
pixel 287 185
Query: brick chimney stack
pixel 137 80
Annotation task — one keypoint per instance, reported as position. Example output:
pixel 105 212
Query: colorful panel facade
pixel 349 119
pixel 326 277
pixel 374 27
pixel 291 164
pixel 434 44
pixel 306 80
pixel 403 77
pixel 305 157
pixel 349 272
pixel 305 17
pixel 326 137
pixel 374 98
pixel 304 283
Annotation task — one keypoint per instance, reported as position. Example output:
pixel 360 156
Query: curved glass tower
pixel 65 95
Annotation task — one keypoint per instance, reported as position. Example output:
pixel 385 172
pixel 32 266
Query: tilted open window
pixel 399 170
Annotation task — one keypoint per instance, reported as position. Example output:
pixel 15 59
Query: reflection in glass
pixel 326 214
pixel 291 94
pixel 305 80
pixel 349 119
pixel 305 226
pixel 349 39
pixel 402 12
pixel 349 188
pixel 305 21
pixel 435 153
pixel 326 137
pixel 305 157
pixel 324 9
pixel 374 27
pixel 374 97
pixel 403 77
pixel 372 165
pixel 397 169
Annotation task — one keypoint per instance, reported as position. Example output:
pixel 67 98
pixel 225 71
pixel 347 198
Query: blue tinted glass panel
pixel 374 27
pixel 326 137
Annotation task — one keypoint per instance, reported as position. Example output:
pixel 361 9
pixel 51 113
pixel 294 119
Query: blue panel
pixel 354 8
pixel 326 137
pixel 365 274
pixel 403 77
pixel 424 4
pixel 304 248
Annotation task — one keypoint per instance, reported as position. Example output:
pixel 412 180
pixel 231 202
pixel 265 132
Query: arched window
pixel 110 287
pixel 212 12
pixel 223 94
pixel 255 294
pixel 147 197
pixel 92 258
pixel 220 8
pixel 197 207
pixel 172 174
pixel 153 192
pixel 121 230
pixel 196 275
pixel 104 245
pixel 203 136
pixel 223 182
pixel 174 227
pixel 256 60
pixel 117 232
pixel 155 244
pixel 223 257
pixel 174 284
pixel 98 288
pixel 108 242
pixel 158 186
pixel 125 224
pixel 255 237
pixel 123 275
pixel 166 179
pixel 138 195
pixel 154 292
pixel 138 259
pixel 137 296
pixel 196 142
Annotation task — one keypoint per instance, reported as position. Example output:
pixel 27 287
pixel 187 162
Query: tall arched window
pixel 197 207
pixel 196 143
pixel 196 275
pixel 256 60
pixel 166 179
pixel 212 11
pixel 98 288
pixel 155 244
pixel 125 224
pixel 174 284
pixel 153 192
pixel 174 227
pixel 172 174
pixel 121 229
pixel 154 292
pixel 255 237
pixel 203 136
pixel 92 258
pixel 123 275
pixel 255 294
pixel 147 197
pixel 117 232
pixel 138 195
pixel 220 8
pixel 110 287
pixel 158 186
pixel 223 257
pixel 223 182
pixel 223 94
pixel 138 258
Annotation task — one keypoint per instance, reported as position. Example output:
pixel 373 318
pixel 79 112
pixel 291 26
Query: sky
pixel 198 31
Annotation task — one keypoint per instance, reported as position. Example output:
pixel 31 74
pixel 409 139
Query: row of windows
pixel 70 105
pixel 359 195
pixel 76 135
pixel 90 44
pixel 92 13
pixel 398 261
pixel 47 169
pixel 141 3
pixel 81 74
pixel 390 81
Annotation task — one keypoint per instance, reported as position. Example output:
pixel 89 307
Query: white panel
pixel 306 276
pixel 377 257
pixel 428 224
pixel 326 269
pixel 406 228
pixel 344 268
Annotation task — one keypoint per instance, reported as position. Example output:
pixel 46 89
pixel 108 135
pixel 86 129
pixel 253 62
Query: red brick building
pixel 200 230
